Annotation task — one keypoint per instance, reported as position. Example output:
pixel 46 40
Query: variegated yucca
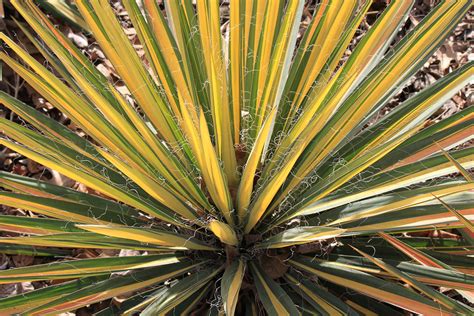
pixel 243 166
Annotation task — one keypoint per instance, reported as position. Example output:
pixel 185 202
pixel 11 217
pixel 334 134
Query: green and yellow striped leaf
pixel 230 285
pixel 273 297
pixel 85 267
pixel 157 237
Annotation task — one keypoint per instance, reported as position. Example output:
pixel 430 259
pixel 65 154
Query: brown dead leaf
pixel 22 260
pixel 61 180
pixel 78 39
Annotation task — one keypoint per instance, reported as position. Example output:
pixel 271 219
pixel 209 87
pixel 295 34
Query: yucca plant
pixel 244 166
